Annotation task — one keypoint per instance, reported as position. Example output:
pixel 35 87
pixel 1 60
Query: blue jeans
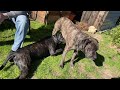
pixel 22 25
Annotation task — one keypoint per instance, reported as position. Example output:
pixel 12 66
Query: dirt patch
pixel 55 73
pixel 81 68
pixel 114 47
pixel 90 75
pixel 106 74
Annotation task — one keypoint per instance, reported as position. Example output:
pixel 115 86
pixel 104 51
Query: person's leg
pixel 22 25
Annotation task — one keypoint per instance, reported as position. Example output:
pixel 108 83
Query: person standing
pixel 21 22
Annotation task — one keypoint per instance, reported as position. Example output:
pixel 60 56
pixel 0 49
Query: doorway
pixel 78 15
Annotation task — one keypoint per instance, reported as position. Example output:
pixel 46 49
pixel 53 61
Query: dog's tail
pixel 7 59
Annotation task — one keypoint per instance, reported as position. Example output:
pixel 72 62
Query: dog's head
pixel 90 47
pixel 58 38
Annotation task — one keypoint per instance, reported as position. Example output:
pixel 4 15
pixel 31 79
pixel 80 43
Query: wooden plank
pixel 86 16
pixel 83 16
pixel 103 19
pixel 98 19
pixel 93 17
pixel 41 16
pixel 34 15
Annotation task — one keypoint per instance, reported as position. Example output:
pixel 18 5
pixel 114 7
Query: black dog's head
pixel 90 47
pixel 58 38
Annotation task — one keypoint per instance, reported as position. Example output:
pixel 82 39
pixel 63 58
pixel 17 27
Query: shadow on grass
pixel 10 42
pixel 6 68
pixel 41 32
pixel 77 58
pixel 35 35
pixel 34 65
pixel 36 62
pixel 7 24
pixel 98 62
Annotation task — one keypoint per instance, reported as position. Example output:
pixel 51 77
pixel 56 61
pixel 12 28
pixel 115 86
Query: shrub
pixel 115 34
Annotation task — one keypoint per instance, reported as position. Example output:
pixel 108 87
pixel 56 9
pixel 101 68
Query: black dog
pixel 43 48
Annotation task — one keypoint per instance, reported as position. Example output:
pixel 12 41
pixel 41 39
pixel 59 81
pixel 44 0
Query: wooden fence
pixel 100 19
pixel 95 18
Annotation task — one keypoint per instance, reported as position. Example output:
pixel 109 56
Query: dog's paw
pixel 71 65
pixel 61 65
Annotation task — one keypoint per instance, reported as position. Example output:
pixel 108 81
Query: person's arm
pixel 3 17
pixel 12 14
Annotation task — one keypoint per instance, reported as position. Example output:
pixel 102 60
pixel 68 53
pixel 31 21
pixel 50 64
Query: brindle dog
pixel 75 40
pixel 43 48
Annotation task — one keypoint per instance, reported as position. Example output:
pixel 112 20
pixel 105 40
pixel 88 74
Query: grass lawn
pixel 107 65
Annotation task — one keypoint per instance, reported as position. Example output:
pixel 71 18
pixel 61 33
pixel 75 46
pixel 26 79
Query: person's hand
pixel 2 17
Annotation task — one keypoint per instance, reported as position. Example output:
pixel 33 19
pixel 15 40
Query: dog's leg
pixel 53 51
pixel 63 57
pixel 58 51
pixel 23 66
pixel 73 58
pixel 24 72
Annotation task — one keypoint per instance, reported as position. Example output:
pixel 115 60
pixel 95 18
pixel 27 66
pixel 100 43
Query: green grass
pixel 106 66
